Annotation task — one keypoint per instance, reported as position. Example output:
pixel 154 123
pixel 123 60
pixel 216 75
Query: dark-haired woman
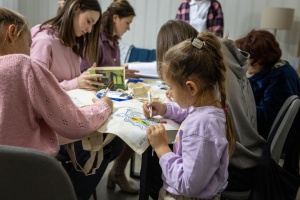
pixel 115 22
pixel 59 44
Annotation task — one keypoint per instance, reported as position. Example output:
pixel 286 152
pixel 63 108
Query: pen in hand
pixel 107 89
pixel 149 100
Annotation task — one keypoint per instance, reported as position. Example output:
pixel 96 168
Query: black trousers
pixel 85 185
pixel 240 179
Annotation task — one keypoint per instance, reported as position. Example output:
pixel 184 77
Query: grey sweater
pixel 242 109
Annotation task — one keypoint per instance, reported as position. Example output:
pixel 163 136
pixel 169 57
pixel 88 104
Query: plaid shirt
pixel 215 20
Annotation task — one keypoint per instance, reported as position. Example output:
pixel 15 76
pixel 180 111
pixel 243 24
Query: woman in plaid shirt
pixel 202 15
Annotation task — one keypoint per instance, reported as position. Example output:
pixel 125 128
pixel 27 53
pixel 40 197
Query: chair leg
pixel 95 194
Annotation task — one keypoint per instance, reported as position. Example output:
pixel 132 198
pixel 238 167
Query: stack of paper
pixel 146 69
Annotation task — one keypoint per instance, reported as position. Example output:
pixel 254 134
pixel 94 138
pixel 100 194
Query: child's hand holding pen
pixel 157 137
pixel 157 108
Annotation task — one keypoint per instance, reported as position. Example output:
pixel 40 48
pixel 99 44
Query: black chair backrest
pixel 31 175
pixel 271 180
pixel 269 176
pixel 281 126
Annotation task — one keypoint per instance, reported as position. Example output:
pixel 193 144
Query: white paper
pixel 146 69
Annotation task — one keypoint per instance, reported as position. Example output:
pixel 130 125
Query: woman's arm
pixel 53 105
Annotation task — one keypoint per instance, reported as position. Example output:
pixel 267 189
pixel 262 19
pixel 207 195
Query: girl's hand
pixel 157 108
pixel 88 81
pixel 157 137
pixel 105 99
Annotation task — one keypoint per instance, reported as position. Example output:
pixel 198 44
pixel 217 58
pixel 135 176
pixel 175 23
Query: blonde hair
pixel 200 57
pixel 8 17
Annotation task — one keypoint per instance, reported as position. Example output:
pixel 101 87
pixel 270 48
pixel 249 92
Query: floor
pixel 104 193
pixel 107 194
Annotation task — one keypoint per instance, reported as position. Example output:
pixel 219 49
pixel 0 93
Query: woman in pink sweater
pixel 58 45
pixel 34 108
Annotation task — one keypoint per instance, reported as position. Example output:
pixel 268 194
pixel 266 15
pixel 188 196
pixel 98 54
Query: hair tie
pixel 198 43
pixel 225 109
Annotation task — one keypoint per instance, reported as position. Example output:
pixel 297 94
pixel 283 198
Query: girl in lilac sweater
pixel 33 106
pixel 197 168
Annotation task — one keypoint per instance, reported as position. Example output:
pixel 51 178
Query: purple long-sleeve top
pixel 197 167
pixel 109 54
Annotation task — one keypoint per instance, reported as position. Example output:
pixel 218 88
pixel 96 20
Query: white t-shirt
pixel 198 14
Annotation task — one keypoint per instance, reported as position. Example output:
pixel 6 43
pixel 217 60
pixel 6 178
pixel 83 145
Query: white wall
pixel 240 17
pixel 37 11
pixel 9 4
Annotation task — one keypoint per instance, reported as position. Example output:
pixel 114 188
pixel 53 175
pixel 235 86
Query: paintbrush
pixel 107 89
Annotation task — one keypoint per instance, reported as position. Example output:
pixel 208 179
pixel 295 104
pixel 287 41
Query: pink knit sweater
pixel 34 107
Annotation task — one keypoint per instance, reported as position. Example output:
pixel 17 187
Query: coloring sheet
pixel 126 121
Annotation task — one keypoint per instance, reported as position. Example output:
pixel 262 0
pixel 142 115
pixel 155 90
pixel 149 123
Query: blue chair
pixel 142 55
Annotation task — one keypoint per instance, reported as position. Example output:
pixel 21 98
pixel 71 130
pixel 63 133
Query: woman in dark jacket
pixel 273 80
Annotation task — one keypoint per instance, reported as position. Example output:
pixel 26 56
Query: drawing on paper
pixel 138 119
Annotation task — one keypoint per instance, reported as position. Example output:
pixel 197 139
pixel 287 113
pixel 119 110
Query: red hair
pixel 262 46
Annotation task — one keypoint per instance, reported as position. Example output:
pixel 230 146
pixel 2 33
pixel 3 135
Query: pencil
pixel 107 89
pixel 149 100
